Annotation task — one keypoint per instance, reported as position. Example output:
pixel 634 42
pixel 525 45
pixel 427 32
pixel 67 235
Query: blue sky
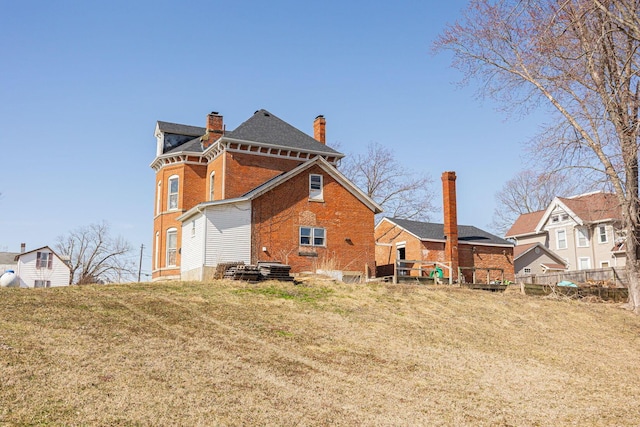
pixel 83 83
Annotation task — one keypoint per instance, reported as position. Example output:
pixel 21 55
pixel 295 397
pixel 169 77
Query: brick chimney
pixel 319 125
pixel 450 221
pixel 215 129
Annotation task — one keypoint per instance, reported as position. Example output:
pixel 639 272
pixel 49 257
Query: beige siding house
pixel 574 233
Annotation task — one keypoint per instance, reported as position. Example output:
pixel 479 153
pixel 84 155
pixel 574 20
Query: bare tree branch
pixel 95 256
pixel 580 59
pixel 401 192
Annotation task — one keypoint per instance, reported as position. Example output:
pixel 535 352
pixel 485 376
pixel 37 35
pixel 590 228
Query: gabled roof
pixel 433 231
pixel 555 267
pixel 8 257
pixel 266 128
pixel 594 207
pixel 178 129
pixel 521 250
pixel 525 224
pixel 284 177
pixel 584 208
pixel 17 257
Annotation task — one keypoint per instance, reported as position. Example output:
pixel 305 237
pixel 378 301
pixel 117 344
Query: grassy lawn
pixel 322 353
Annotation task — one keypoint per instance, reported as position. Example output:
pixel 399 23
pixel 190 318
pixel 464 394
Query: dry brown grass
pixel 231 353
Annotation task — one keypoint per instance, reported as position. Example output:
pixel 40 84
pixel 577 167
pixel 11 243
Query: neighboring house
pixel 449 244
pixel 8 261
pixel 265 191
pixel 573 233
pixel 42 268
pixel 535 258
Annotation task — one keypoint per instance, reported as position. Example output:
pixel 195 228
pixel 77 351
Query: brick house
pixel 265 191
pixel 476 252
pixel 574 233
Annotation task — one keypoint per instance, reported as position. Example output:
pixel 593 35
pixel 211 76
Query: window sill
pixel 316 200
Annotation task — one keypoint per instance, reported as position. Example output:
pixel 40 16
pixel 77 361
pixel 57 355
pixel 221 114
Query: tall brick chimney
pixel 215 129
pixel 450 221
pixel 319 125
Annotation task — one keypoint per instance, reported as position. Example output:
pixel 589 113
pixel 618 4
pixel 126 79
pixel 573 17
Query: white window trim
pixel 169 193
pixel 157 254
pixel 566 244
pixel 314 193
pixel 212 185
pixel 159 199
pixel 584 232
pixel 606 234
pixel 312 236
pixel 527 270
pixel 584 258
pixel 175 256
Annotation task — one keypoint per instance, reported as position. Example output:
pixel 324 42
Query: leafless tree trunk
pixel 579 57
pixel 95 256
pixel 401 192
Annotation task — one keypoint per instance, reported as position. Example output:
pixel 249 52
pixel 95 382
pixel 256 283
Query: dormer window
pixel 173 192
pixel 315 187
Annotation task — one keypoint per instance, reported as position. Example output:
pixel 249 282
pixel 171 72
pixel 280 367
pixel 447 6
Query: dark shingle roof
pixel 266 128
pixel 194 145
pixel 433 231
pixel 179 129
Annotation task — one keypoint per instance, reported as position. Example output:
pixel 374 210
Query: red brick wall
pixel 215 166
pixel 486 257
pixel 483 257
pixel 244 172
pixel 192 184
pixel 278 215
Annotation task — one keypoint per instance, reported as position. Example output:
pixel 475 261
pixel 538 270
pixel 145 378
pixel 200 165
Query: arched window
pixel 172 246
pixel 159 198
pixel 156 260
pixel 172 192
pixel 212 186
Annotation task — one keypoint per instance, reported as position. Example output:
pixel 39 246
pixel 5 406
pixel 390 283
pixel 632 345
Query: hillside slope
pixel 231 353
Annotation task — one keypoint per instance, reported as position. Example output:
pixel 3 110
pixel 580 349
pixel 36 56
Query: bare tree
pixel 95 256
pixel 531 191
pixel 579 58
pixel 401 192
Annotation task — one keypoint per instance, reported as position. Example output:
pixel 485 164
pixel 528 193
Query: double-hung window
pixel 315 187
pixel 561 235
pixel 44 260
pixel 602 234
pixel 312 236
pixel 42 284
pixel 172 192
pixel 582 235
pixel 172 246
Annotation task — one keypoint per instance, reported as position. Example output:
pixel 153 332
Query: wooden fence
pixel 613 277
pixel 606 294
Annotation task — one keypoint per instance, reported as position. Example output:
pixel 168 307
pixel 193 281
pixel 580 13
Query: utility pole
pixel 140 264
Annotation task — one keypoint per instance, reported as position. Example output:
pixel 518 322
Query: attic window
pixel 555 218
pixel 315 187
